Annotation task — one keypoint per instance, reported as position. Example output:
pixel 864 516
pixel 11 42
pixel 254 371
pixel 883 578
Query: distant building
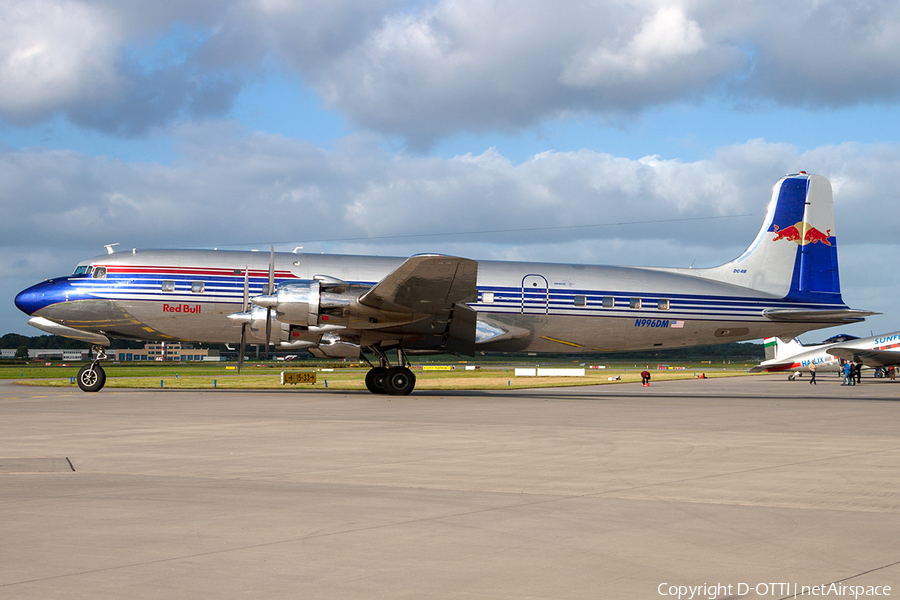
pixel 46 354
pixel 164 351
pixel 168 351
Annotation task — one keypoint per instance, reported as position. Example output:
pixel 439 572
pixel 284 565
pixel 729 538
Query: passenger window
pixel 580 300
pixel 198 287
pixel 99 273
pixel 608 302
pixel 487 297
pixel 662 304
pixel 168 286
pixel 634 303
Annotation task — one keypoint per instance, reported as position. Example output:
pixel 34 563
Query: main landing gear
pixel 92 377
pixel 385 379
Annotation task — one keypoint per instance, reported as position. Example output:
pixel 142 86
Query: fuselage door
pixel 535 295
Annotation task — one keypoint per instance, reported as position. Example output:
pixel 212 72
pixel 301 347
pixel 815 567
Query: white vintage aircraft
pixel 785 283
pixel 874 352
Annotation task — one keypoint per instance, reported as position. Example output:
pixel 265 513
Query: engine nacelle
pixel 296 302
pixel 335 346
pixel 313 304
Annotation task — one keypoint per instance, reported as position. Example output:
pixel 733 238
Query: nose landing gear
pixel 92 377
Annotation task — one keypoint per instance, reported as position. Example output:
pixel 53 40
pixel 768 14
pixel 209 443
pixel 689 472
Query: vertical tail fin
pixel 794 255
pixel 775 348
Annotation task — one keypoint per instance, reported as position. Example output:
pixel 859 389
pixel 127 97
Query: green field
pixel 489 375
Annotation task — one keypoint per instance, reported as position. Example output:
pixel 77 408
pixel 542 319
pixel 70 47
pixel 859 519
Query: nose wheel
pixel 92 377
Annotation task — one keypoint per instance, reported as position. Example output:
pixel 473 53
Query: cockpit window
pixel 80 270
pixel 99 273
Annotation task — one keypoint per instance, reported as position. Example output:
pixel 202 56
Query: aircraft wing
pixel 870 358
pixel 425 284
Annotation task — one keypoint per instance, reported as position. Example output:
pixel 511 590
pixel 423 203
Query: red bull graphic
pixel 802 233
pixel 813 236
pixel 788 233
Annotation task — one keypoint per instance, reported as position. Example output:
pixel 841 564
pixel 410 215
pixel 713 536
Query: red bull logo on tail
pixel 802 233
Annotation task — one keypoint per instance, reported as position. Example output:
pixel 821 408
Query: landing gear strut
pixel 92 377
pixel 385 379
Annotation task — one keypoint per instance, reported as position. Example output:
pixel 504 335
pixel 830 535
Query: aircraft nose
pixel 33 299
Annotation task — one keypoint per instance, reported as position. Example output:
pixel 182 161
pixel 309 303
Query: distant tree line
pixel 55 342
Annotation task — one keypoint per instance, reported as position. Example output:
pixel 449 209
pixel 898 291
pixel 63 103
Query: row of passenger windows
pixel 198 287
pixel 635 303
pixel 605 301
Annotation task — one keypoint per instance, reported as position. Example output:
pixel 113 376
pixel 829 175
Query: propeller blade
pixel 270 290
pixel 268 329
pixel 242 347
pixel 246 290
pixel 271 271
pixel 244 306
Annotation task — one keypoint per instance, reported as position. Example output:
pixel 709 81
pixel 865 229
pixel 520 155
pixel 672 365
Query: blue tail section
pixel 800 217
pixel 794 255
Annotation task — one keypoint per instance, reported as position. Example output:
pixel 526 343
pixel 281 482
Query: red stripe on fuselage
pixel 213 272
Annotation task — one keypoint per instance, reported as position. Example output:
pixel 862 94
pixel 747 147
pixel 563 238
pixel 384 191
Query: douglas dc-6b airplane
pixel 876 351
pixel 784 284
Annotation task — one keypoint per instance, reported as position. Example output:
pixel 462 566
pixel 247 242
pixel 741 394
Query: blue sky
pixel 242 123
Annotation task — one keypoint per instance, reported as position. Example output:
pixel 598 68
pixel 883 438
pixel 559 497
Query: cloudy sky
pixel 609 132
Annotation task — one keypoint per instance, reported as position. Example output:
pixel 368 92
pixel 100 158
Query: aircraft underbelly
pixel 95 315
pixel 572 334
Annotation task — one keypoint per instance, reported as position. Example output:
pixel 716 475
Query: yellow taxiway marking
pixel 573 344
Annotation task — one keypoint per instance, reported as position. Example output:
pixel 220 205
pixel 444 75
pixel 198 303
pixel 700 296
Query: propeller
pixel 270 290
pixel 244 325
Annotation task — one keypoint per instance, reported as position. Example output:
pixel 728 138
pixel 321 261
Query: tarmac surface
pixel 615 491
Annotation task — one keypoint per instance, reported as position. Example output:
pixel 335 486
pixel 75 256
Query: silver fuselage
pixel 521 307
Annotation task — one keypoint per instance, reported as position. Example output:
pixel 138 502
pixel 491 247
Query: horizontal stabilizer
pixel 425 284
pixel 790 315
pixel 50 327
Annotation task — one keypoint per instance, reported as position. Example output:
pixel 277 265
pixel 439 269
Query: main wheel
pixel 91 378
pixel 399 381
pixel 375 380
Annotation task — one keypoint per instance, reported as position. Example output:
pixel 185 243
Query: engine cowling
pixel 335 346
pixel 313 304
pixel 296 302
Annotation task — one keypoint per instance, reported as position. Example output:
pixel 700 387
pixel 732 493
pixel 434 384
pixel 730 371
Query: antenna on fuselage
pixel 109 248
